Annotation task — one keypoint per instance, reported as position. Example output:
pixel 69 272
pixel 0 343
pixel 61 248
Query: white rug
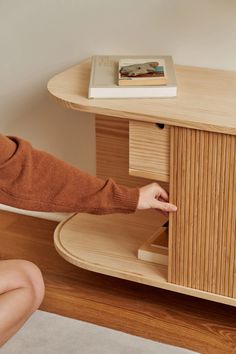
pixel 46 333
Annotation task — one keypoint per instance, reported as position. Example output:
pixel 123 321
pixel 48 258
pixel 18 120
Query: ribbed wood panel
pixel 202 232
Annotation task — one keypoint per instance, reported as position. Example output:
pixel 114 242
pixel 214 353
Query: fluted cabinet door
pixel 202 232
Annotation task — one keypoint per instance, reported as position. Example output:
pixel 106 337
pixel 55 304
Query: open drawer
pixel 149 150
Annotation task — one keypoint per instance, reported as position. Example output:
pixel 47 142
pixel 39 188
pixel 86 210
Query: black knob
pixel 160 125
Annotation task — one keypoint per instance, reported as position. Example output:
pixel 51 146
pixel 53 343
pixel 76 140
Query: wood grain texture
pixel 206 99
pixel 109 244
pixel 203 326
pixel 112 152
pixel 149 150
pixel 155 248
pixel 202 232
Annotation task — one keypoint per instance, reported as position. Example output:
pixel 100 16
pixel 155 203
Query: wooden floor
pixel 168 317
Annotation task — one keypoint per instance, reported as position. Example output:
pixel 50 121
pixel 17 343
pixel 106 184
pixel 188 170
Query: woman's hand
pixel 154 196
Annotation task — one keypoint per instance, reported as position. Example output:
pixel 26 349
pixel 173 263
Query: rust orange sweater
pixel 35 180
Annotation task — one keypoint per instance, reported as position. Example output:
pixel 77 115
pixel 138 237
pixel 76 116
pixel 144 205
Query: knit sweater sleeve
pixel 32 179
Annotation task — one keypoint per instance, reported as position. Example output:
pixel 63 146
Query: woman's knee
pixel 17 273
pixel 33 279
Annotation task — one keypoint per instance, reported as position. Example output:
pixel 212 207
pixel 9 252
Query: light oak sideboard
pixel 188 144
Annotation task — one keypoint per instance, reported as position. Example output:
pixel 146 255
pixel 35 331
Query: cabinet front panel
pixel 202 232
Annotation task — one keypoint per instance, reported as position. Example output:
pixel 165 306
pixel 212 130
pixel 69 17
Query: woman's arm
pixel 35 180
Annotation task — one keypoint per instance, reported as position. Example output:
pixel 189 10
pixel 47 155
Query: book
pixel 104 79
pixel 143 71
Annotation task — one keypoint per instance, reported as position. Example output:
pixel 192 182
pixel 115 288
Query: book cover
pixel 104 79
pixel 142 71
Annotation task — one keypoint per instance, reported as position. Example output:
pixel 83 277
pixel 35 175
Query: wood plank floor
pixel 168 317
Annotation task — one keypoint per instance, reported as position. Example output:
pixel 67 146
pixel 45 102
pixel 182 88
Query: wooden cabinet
pixel 188 143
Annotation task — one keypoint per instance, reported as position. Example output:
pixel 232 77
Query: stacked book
pixel 132 77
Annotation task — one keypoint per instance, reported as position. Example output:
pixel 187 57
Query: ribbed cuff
pixel 133 199
pixel 126 198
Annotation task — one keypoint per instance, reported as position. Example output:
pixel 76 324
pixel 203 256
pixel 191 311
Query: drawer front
pixel 149 150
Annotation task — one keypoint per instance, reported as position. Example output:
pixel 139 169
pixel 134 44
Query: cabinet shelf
pixel 108 244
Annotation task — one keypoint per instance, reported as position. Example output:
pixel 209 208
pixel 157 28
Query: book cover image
pixel 149 71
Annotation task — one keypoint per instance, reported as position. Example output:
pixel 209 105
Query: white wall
pixel 41 38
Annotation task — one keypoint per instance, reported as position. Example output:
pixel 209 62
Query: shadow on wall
pixel 38 118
